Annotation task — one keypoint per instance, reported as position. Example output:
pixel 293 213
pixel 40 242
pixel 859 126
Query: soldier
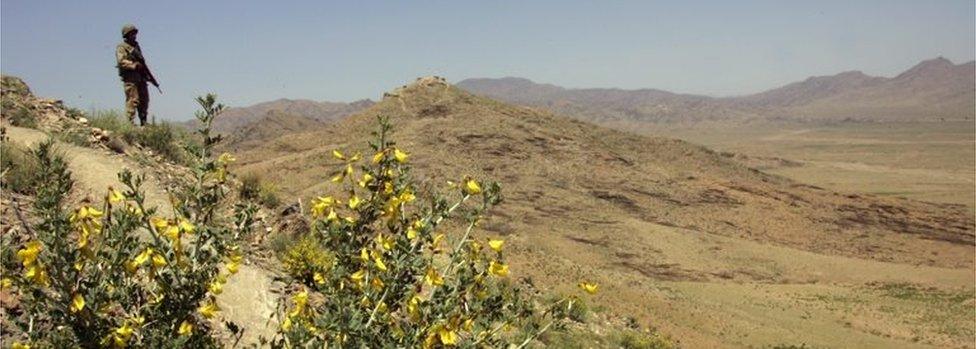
pixel 134 74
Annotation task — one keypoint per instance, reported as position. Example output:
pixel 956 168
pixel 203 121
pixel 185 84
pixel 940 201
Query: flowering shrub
pixel 397 278
pixel 117 273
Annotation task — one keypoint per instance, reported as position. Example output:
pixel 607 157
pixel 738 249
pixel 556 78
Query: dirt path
pixel 246 300
pixel 94 171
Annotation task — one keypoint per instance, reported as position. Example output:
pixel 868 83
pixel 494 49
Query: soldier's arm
pixel 124 61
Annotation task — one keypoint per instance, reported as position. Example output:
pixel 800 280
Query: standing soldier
pixel 134 74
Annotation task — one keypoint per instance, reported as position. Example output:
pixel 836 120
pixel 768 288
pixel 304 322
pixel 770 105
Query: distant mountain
pixel 237 118
pixel 931 90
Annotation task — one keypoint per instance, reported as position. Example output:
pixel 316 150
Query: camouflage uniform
pixel 132 68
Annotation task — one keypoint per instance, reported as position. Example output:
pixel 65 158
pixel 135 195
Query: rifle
pixel 149 74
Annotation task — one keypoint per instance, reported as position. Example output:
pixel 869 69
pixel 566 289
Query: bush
pixel 20 169
pixel 169 141
pixel 397 279
pixel 638 340
pixel 23 117
pixel 255 189
pixel 306 260
pixel 113 273
pixel 110 120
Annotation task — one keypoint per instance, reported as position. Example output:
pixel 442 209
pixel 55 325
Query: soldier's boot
pixel 142 119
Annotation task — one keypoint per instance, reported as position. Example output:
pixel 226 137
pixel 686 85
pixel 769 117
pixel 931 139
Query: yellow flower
pixel 399 155
pixel 286 325
pixel 226 159
pixel 320 204
pixel 187 227
pixel 186 328
pixel 6 283
pixel 378 157
pixel 121 335
pixel 433 278
pixel 378 259
pixel 158 260
pixel 37 274
pixel 468 325
pixel 364 255
pixel 332 216
pixel 366 179
pixel 358 277
pixel 83 239
pixel 348 170
pixel 300 299
pixel 472 187
pixel 159 223
pixel 413 307
pixel 447 336
pixel 19 345
pixel 356 157
pixel 354 202
pixel 337 178
pixel 496 244
pixel 77 303
pixel 141 258
pixel 338 155
pixel 233 266
pixel 384 242
pixel 498 269
pixel 411 233
pixel 28 254
pixel 209 310
pixel 407 196
pixel 387 188
pixel 172 232
pixel 588 287
pixel 216 287
pixel 114 196
pixel 318 278
pixel 134 210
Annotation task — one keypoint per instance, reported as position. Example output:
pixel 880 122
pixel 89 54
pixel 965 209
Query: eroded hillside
pixel 676 232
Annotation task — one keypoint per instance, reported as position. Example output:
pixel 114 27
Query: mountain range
pixel 932 90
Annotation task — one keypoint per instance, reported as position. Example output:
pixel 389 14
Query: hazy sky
pixel 264 50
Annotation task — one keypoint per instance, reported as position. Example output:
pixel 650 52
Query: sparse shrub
pixel 307 261
pixel 250 186
pixel 159 138
pixel 255 189
pixel 20 169
pixel 76 136
pixel 23 117
pixel 398 279
pixel 114 273
pixel 268 196
pixel 110 120
pixel 640 340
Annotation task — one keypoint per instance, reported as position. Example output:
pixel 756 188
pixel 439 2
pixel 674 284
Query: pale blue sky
pixel 264 50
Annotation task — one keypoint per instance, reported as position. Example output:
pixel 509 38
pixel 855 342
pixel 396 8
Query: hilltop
pixel 678 235
pixel 930 91
pixel 237 118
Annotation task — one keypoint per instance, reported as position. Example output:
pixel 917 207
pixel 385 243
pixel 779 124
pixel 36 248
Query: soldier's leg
pixel 131 100
pixel 143 104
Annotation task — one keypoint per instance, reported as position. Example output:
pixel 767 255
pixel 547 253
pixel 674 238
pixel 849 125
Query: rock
pixel 83 121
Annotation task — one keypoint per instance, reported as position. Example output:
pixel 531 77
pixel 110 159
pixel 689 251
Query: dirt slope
pixel 671 230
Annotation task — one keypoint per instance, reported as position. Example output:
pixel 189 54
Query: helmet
pixel 128 29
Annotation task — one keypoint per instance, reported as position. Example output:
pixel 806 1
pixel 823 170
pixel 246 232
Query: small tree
pixel 115 273
pixel 396 278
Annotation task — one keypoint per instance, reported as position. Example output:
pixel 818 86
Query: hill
pixel 681 238
pixel 932 90
pixel 239 117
